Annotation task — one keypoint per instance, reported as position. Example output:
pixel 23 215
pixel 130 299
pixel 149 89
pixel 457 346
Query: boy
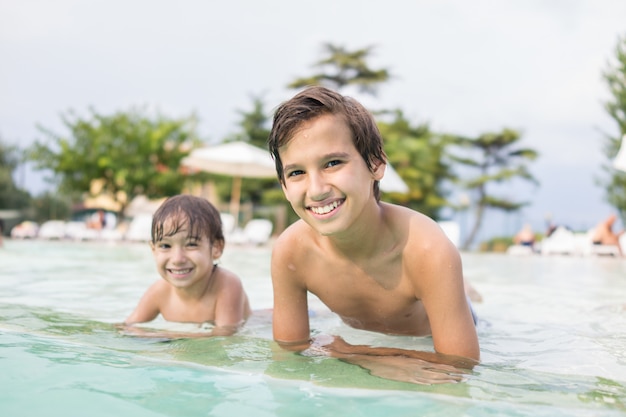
pixel 379 266
pixel 186 241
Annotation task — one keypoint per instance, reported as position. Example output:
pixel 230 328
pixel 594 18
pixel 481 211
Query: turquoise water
pixel 552 332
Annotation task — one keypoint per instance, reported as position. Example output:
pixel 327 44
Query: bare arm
pixel 403 365
pixel 290 320
pixel 148 307
pixel 441 289
pixel 341 349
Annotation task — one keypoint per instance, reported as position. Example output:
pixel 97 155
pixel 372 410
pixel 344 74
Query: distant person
pixel 525 237
pixel 186 241
pixel 378 266
pixel 1 233
pixel 97 220
pixel 603 233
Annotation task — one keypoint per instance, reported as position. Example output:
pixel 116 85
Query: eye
pixel 333 163
pixel 163 245
pixel 295 173
pixel 193 242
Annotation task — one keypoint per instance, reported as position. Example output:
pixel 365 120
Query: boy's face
pixel 327 181
pixel 185 261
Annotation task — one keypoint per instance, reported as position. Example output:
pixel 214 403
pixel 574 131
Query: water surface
pixel 552 334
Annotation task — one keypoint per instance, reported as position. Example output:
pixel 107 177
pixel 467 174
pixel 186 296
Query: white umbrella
pixel 620 160
pixel 392 183
pixel 236 159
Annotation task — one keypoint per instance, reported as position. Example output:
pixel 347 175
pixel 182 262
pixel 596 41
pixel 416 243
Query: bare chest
pixel 376 299
pixel 199 311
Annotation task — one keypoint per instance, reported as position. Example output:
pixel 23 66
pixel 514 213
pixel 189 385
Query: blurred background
pixel 495 114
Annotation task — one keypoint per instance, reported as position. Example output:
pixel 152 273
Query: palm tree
pixel 498 161
pixel 615 180
pixel 342 68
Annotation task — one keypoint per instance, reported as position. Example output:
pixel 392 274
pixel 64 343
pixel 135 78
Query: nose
pixel 178 255
pixel 318 187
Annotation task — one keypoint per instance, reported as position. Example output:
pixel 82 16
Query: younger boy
pixel 380 267
pixel 186 241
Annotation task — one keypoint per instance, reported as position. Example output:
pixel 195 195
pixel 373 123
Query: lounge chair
pixel 561 242
pixel 52 229
pixel 228 224
pixel 520 250
pixel 255 232
pixel 139 228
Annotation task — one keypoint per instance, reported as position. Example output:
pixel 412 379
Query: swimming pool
pixel 552 333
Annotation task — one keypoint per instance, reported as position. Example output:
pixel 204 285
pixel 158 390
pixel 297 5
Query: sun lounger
pixel 139 228
pixel 561 242
pixel 520 250
pixel 256 232
pixel 52 229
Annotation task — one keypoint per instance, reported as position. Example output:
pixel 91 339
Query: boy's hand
pixel 415 371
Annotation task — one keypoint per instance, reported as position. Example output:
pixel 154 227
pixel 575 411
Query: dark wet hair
pixel 316 101
pixel 196 214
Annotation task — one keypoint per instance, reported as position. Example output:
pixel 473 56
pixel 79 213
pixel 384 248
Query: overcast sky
pixel 465 67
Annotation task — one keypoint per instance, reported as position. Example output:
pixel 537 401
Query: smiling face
pixel 184 260
pixel 327 181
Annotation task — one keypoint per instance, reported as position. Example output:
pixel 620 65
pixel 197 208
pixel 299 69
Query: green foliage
pixel 342 68
pixel 50 206
pixel 254 125
pixel 496 244
pixel 418 156
pixel 131 152
pixel 11 197
pixel 615 77
pixel 496 159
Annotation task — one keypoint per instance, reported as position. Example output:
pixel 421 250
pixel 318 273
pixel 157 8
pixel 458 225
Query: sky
pixel 465 67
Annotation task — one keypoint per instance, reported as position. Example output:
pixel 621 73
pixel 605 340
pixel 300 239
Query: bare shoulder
pixel 292 251
pixel 158 289
pixel 228 279
pixel 427 251
pixel 418 230
pixel 295 241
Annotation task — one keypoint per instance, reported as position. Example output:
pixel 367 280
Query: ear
pixel 152 247
pixel 379 171
pixel 217 248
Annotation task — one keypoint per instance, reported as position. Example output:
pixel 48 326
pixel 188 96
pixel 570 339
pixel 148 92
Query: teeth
pixel 180 271
pixel 326 209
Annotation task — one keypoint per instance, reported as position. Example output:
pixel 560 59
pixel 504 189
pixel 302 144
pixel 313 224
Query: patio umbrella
pixel 236 159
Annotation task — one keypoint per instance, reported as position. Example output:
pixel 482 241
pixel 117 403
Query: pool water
pixel 552 333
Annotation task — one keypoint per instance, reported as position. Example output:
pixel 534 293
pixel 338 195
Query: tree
pixel 497 162
pixel 418 155
pixel 131 153
pixel 615 77
pixel 342 68
pixel 253 125
pixel 11 196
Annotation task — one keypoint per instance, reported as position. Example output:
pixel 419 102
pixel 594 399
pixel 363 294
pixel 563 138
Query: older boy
pixel 379 266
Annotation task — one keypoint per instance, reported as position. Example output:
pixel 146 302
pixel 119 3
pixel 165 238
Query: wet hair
pixel 197 215
pixel 316 101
